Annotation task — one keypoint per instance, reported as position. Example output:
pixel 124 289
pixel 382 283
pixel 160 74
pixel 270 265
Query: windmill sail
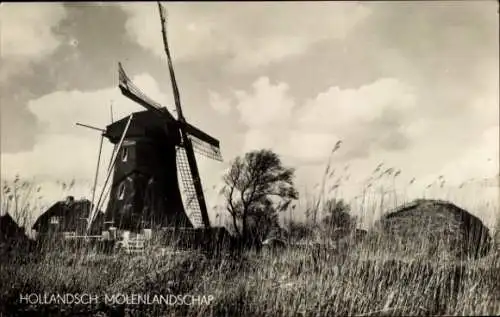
pixel 131 91
pixel 203 143
pixel 188 146
pixel 175 88
pixel 206 149
pixel 188 191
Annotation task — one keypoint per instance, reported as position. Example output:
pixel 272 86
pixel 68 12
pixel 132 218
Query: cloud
pixel 479 161
pixel 256 139
pixel 310 146
pixel 27 33
pixel 143 26
pixel 27 30
pixel 268 105
pixel 371 116
pixel 262 34
pixel 486 105
pixel 338 108
pixel 218 103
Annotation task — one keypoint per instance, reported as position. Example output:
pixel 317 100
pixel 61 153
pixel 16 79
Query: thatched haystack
pixel 436 227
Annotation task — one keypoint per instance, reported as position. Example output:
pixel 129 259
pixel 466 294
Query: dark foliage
pixel 299 231
pixel 338 222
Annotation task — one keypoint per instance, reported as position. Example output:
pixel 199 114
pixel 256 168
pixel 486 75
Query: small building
pixel 68 218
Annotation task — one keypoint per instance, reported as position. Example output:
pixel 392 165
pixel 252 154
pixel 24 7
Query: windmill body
pixel 144 191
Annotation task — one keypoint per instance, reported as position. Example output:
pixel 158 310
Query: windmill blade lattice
pixel 188 191
pixel 206 149
pixel 130 90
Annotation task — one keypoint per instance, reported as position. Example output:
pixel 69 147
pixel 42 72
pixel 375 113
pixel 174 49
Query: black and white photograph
pixel 267 158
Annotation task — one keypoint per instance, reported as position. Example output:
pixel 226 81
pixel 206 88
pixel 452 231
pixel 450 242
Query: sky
pixel 412 85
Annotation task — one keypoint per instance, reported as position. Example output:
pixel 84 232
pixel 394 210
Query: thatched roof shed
pixel 436 226
pixel 68 216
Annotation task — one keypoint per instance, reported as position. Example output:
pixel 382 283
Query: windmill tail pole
pixel 101 203
pixel 112 154
pixel 94 209
pixel 96 175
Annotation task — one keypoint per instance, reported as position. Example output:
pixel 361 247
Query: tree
pixel 338 222
pixel 257 187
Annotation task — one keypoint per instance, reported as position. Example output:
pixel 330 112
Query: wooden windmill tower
pixel 155 162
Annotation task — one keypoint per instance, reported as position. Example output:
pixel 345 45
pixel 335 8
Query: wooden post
pixel 91 218
pixel 96 176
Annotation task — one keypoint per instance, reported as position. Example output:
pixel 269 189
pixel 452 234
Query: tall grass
pixel 363 281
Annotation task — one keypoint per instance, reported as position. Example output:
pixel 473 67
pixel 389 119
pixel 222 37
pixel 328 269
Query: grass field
pixel 310 282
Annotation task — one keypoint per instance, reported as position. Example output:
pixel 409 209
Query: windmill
pixel 151 148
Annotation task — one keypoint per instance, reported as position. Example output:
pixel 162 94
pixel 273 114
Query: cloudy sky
pixel 411 84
